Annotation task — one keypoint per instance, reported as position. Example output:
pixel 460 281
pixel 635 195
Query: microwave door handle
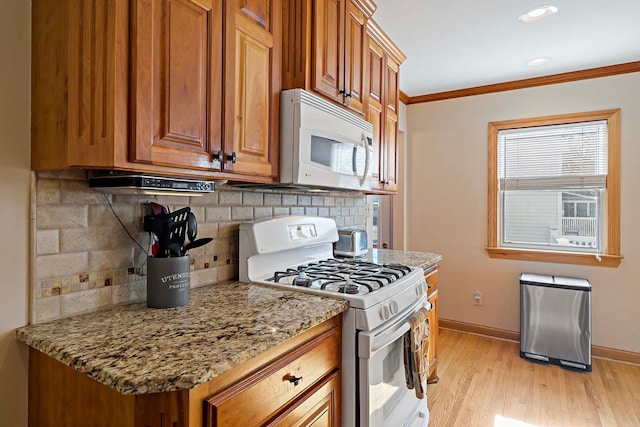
pixel 367 163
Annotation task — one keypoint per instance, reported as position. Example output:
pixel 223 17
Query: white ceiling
pixel 457 44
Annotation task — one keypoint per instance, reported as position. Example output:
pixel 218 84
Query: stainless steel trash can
pixel 555 320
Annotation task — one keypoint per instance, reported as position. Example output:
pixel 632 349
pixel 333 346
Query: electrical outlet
pixel 368 209
pixel 477 298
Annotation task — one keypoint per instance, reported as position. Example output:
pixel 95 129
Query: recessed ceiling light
pixel 536 62
pixel 537 13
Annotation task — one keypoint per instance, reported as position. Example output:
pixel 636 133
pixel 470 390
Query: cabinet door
pixel 319 408
pixel 253 83
pixel 327 45
pixel 73 83
pixel 268 391
pixel 176 78
pixel 355 34
pixel 391 126
pixel 375 77
pixel 433 340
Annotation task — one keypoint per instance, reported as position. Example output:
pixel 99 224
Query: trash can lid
pixel 556 281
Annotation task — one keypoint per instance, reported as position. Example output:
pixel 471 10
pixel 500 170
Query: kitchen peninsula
pixel 233 345
pixel 132 365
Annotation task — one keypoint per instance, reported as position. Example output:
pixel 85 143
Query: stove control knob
pixel 384 312
pixel 394 307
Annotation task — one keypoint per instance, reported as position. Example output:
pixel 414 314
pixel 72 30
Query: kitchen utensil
pixel 192 227
pixel 169 228
pixel 175 249
pixel 196 244
pixel 157 208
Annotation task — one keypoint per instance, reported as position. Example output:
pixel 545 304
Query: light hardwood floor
pixel 484 382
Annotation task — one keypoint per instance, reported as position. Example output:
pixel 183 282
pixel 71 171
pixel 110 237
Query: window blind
pixel 571 156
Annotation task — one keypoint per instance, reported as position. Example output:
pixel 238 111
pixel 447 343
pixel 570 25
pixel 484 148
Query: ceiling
pixel 458 44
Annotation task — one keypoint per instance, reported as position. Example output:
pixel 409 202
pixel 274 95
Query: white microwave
pixel 323 145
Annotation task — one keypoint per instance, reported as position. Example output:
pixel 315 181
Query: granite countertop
pixel 134 349
pixel 410 258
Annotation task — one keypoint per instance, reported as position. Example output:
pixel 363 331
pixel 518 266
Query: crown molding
pixel 377 33
pixel 591 73
pixel 404 98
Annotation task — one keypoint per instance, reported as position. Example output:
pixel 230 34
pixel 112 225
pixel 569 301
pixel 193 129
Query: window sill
pixel 558 257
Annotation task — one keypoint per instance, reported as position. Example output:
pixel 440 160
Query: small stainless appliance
pixel 352 242
pixel 296 253
pixel 132 183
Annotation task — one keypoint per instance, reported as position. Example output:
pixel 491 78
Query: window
pixel 554 189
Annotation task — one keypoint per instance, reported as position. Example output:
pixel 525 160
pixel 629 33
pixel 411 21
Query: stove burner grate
pixel 342 275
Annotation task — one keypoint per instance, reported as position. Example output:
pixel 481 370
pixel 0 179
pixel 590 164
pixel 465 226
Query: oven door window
pixel 382 379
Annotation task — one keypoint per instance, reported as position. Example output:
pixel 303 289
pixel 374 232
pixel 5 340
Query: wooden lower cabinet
pixel 277 386
pixel 297 383
pixel 319 408
pixel 433 341
pixel 431 276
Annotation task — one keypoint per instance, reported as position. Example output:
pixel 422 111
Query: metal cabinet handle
pixel 294 380
pixel 232 157
pixel 217 155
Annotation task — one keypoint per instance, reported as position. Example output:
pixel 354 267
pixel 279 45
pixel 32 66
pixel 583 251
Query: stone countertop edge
pixel 135 350
pixel 409 258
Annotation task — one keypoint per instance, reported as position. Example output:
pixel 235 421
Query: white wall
pixel 447 204
pixel 15 39
pixel 399 200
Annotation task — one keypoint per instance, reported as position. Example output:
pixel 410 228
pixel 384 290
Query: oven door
pixel 384 397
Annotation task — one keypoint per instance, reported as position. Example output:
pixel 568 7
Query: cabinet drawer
pixel 257 397
pixel 431 276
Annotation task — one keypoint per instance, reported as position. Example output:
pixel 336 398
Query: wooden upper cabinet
pixel 78 109
pixel 382 99
pixel 175 72
pixel 177 87
pixel 355 36
pixel 391 126
pixel 328 48
pixel 252 84
pixel 325 48
pixel 375 77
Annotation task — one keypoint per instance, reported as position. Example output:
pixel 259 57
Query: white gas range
pixel 296 253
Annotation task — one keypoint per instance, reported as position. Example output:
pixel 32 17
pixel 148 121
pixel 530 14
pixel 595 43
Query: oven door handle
pixel 386 338
pixel 370 344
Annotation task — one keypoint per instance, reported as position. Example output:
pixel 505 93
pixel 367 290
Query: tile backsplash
pixel 84 260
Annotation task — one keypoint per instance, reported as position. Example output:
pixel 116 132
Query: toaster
pixel 351 242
